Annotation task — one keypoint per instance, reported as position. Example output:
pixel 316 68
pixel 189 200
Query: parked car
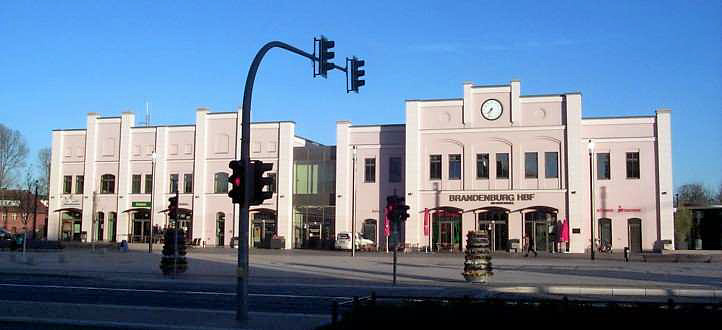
pixel 6 235
pixel 343 241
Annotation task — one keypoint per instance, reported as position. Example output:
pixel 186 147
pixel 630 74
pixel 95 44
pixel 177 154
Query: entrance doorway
pixel 634 227
pixel 314 227
pixel 447 229
pixel 369 230
pixel 541 226
pixel 496 221
pixel 71 226
pixel 605 231
pixel 264 229
pixel 220 228
pixel 141 226
pixel 112 219
pixel 99 226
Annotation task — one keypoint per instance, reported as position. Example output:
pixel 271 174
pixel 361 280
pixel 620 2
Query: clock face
pixel 491 109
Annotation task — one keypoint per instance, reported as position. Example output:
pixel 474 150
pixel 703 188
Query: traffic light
pixel 357 73
pixel 173 207
pixel 236 180
pixel 260 182
pixel 402 210
pixel 325 55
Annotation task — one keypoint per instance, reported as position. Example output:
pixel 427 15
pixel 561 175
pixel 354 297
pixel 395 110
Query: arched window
pixel 221 183
pixel 107 184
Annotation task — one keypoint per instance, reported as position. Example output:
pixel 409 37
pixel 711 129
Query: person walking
pixel 529 245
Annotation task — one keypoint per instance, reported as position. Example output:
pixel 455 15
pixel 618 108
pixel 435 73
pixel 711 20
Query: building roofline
pixel 118 117
pixel 380 125
pixel 69 129
pixel 222 113
pixel 617 117
pixel 489 86
pixel 541 95
pixel 433 100
pixel 309 140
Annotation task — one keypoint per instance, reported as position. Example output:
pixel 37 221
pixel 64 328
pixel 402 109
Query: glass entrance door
pixel 541 228
pixel 447 228
pixel 220 232
pixel 497 223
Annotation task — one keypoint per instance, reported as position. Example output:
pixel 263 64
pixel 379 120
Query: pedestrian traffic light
pixel 173 207
pixel 357 73
pixel 325 55
pixel 236 180
pixel 262 186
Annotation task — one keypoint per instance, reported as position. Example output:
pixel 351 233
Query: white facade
pixel 114 146
pixel 536 173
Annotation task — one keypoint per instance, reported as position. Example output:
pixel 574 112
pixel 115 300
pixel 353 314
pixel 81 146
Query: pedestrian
pixel 529 245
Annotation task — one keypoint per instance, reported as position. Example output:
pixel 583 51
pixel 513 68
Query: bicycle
pixel 604 247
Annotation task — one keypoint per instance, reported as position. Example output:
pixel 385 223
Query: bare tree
pixel 693 194
pixel 13 151
pixel 28 202
pixel 44 161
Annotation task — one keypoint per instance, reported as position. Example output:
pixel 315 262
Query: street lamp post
pixel 152 189
pixel 590 148
pixel 353 205
pixel 35 210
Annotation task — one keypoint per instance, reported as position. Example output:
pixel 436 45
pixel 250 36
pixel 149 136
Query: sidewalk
pixel 143 317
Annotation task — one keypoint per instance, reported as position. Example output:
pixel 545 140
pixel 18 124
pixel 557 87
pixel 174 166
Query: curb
pixel 613 291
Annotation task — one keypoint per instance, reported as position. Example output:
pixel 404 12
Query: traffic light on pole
pixel 173 207
pixel 236 180
pixel 403 210
pixel 325 55
pixel 357 73
pixel 262 185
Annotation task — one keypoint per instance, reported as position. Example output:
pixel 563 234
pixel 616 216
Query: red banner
pixel 426 222
pixel 387 222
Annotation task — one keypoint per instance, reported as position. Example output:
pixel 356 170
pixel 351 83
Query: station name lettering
pixel 490 197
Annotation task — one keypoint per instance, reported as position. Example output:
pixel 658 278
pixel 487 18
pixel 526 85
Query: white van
pixel 343 241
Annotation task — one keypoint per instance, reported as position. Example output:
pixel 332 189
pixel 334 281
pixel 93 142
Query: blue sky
pixel 62 59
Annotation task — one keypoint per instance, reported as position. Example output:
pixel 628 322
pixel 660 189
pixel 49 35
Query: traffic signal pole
pixel 242 267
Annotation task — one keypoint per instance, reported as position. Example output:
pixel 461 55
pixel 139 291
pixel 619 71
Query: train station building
pixel 519 165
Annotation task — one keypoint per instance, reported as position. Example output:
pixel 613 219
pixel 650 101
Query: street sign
pixel 140 204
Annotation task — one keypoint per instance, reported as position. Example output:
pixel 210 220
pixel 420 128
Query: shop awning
pixel 538 208
pixel 488 209
pixel 180 210
pixel 137 209
pixel 69 209
pixel 263 210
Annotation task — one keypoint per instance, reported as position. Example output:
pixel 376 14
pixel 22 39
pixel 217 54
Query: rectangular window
pixel 551 164
pixel 306 179
pixel 633 165
pixel 188 183
pixel 455 167
pixel 435 167
pixel 79 184
pixel 148 184
pixel 482 166
pixel 135 186
pixel 502 166
pixel 370 170
pixel 68 184
pixel 603 170
pixel 531 165
pixel 174 183
pixel 395 169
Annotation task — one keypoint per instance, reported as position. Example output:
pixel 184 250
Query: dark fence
pixel 368 312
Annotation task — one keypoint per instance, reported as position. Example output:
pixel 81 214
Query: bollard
pixel 626 254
